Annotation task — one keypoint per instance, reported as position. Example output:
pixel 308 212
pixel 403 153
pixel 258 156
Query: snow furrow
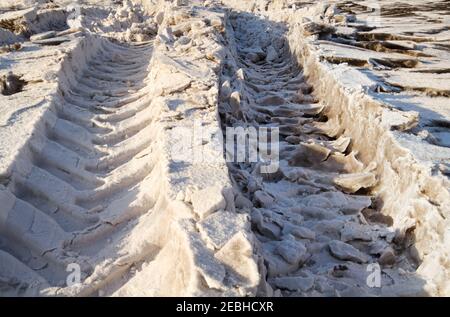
pixel 319 228
pixel 66 193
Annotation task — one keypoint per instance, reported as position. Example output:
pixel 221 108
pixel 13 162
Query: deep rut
pixel 85 180
pixel 319 229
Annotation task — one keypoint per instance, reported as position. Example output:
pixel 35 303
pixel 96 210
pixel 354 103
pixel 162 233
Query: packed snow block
pixel 351 183
pixel 346 252
pixel 207 201
pixel 162 224
pixel 218 227
pixel 43 36
pixel 186 267
pixel 294 283
pixel 238 257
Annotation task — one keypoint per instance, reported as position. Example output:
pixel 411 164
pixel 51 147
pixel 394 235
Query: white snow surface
pixel 101 165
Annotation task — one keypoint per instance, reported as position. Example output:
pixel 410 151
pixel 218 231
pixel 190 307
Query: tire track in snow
pixel 319 229
pixel 86 178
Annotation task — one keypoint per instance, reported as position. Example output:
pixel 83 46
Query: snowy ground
pixel 107 187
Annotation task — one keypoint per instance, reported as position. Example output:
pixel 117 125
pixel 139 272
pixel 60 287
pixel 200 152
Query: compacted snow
pixel 115 179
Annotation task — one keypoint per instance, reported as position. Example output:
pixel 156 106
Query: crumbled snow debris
pixel 118 97
pixel 299 231
pixel 346 252
pixel 351 183
pixel 294 283
pixel 43 36
pixel 263 199
pixel 355 231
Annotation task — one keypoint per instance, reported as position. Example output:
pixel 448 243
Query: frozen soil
pixel 112 162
